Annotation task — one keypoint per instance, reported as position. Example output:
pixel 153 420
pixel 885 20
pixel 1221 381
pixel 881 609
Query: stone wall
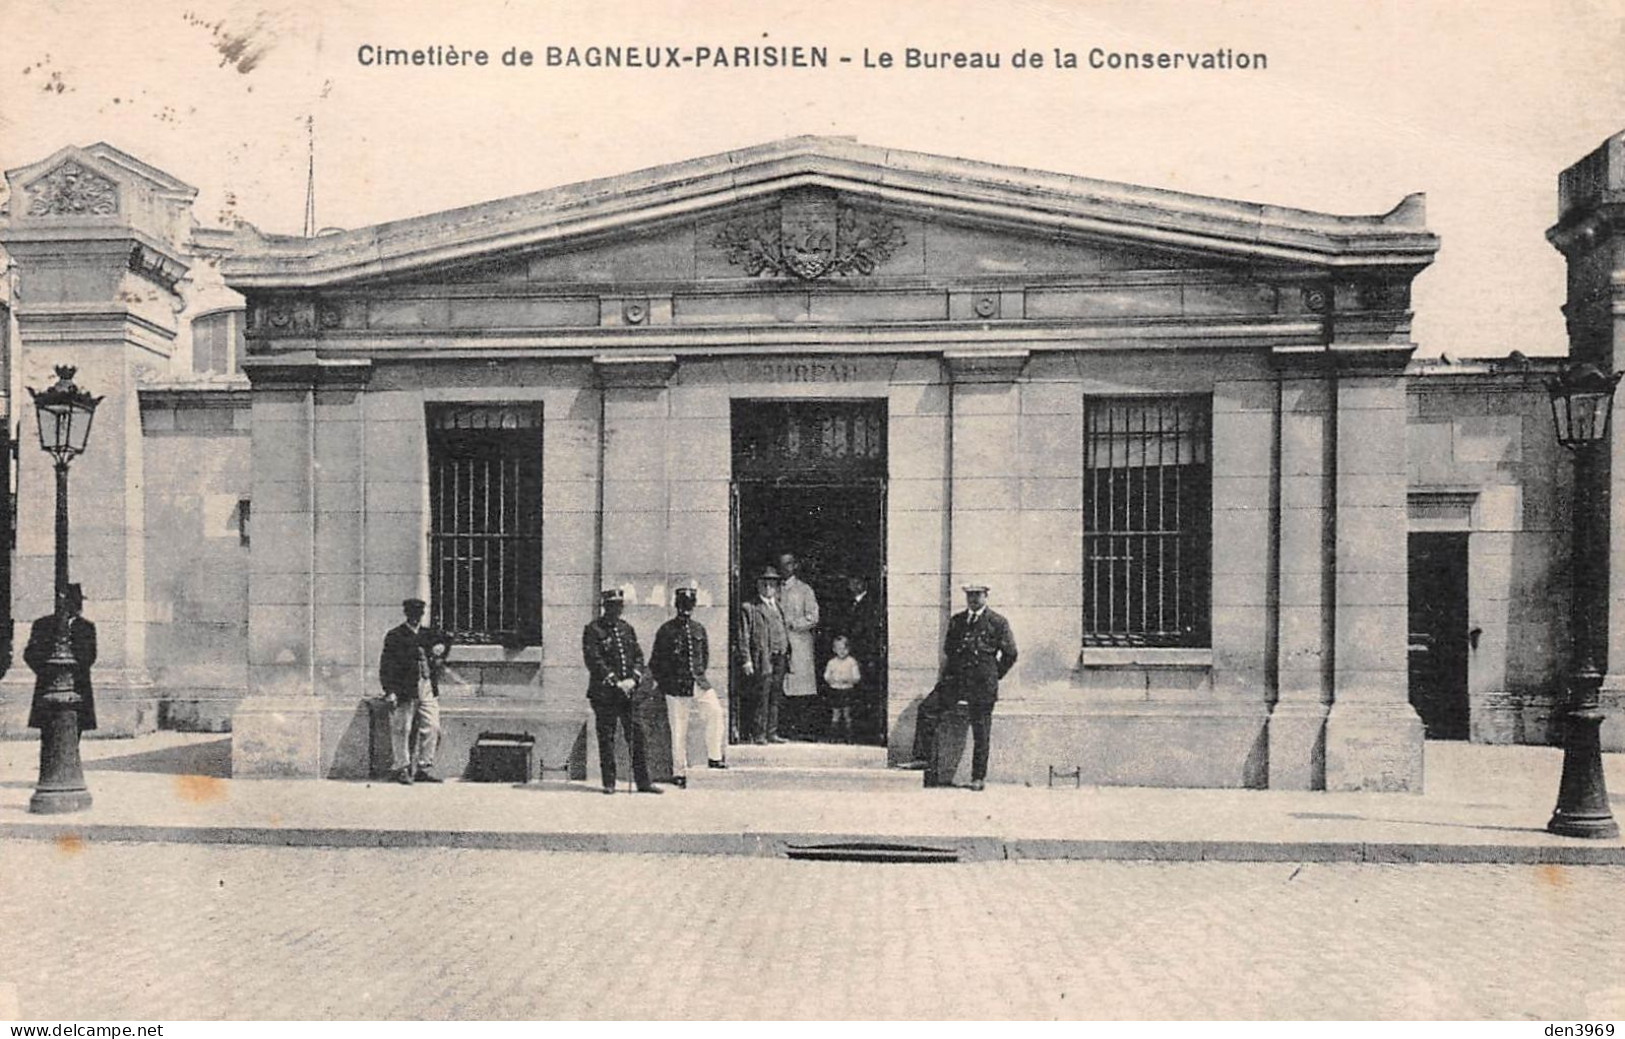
pixel 1483 459
pixel 198 531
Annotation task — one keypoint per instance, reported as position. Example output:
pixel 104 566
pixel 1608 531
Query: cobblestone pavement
pixel 178 932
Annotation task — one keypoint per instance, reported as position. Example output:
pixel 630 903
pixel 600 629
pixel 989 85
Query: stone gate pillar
pixel 99 240
pixel 1590 232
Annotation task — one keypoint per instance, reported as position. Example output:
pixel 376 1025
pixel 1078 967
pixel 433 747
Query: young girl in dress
pixel 841 677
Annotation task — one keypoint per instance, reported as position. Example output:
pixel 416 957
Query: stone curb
pixel 827 846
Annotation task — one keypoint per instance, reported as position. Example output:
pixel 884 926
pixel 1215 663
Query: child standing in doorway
pixel 841 677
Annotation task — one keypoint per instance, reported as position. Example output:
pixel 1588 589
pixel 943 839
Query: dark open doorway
pixel 1438 633
pixel 809 479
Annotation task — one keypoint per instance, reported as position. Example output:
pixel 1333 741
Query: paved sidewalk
pixel 1482 804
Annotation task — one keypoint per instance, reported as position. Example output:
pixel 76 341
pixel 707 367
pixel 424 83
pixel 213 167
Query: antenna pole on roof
pixel 310 178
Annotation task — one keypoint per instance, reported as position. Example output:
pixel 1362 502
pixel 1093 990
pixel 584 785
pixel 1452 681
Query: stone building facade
pixel 1180 437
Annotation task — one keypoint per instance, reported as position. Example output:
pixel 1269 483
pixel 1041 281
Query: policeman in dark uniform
pixel 978 651
pixel 609 648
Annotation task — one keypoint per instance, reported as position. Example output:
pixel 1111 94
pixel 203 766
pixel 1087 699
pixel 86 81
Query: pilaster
pixel 1305 575
pixel 1373 735
pixel 305 628
pixel 985 517
pixel 634 517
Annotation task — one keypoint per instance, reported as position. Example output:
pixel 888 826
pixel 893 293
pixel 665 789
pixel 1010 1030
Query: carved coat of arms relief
pixel 811 235
pixel 72 190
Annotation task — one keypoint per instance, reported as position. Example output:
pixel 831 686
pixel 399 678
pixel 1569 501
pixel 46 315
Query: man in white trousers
pixel 679 658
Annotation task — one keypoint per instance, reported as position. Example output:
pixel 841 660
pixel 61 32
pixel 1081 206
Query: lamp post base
pixel 1582 798
pixel 61 787
pixel 59 802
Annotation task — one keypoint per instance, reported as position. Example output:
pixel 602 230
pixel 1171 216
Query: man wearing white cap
pixel 980 650
pixel 680 655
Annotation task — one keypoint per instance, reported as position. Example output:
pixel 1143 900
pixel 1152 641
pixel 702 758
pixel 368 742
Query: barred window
pixel 217 341
pixel 485 526
pixel 1147 503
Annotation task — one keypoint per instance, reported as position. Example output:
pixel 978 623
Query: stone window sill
pixel 1145 656
pixel 461 654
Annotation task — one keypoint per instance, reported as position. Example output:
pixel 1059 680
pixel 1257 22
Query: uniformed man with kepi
pixel 609 648
pixel 679 658
pixel 978 651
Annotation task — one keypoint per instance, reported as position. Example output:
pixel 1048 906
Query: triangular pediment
pixel 89 181
pixel 811 237
pixel 98 188
pixel 815 209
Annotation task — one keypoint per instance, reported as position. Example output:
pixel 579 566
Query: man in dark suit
pixel 979 650
pixel 42 640
pixel 764 651
pixel 609 648
pixel 409 670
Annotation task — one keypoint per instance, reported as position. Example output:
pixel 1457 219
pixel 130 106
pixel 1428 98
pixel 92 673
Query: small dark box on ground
pixel 503 757
pixel 953 747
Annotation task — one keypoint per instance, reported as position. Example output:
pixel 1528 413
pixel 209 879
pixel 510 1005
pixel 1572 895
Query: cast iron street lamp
pixel 1582 401
pixel 65 412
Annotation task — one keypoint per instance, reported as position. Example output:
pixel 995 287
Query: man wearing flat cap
pixel 979 650
pixel 409 670
pixel 764 651
pixel 609 648
pixel 679 658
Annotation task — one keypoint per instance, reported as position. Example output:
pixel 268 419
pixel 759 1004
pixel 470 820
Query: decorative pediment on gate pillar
pixel 70 189
pixel 99 185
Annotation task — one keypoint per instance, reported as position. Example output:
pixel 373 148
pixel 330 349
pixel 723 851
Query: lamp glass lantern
pixel 1582 402
pixel 65 413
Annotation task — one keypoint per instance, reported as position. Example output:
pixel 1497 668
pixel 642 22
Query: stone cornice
pixel 77 324
pixel 982 365
pixel 1344 358
pixel 899 337
pixel 908 181
pixel 141 253
pixel 1586 229
pixel 196 395
pixel 634 371
pixel 304 370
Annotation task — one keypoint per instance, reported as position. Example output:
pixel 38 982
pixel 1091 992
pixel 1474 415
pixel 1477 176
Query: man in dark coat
pixel 409 670
pixel 679 658
pixel 42 640
pixel 609 648
pixel 860 622
pixel 857 616
pixel 979 650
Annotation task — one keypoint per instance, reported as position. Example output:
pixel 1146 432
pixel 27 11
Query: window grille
pixel 485 529
pixel 1147 516
pixel 811 438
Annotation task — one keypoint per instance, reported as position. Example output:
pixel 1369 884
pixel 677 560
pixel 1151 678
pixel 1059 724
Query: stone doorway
pixel 809 479
pixel 1438 633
